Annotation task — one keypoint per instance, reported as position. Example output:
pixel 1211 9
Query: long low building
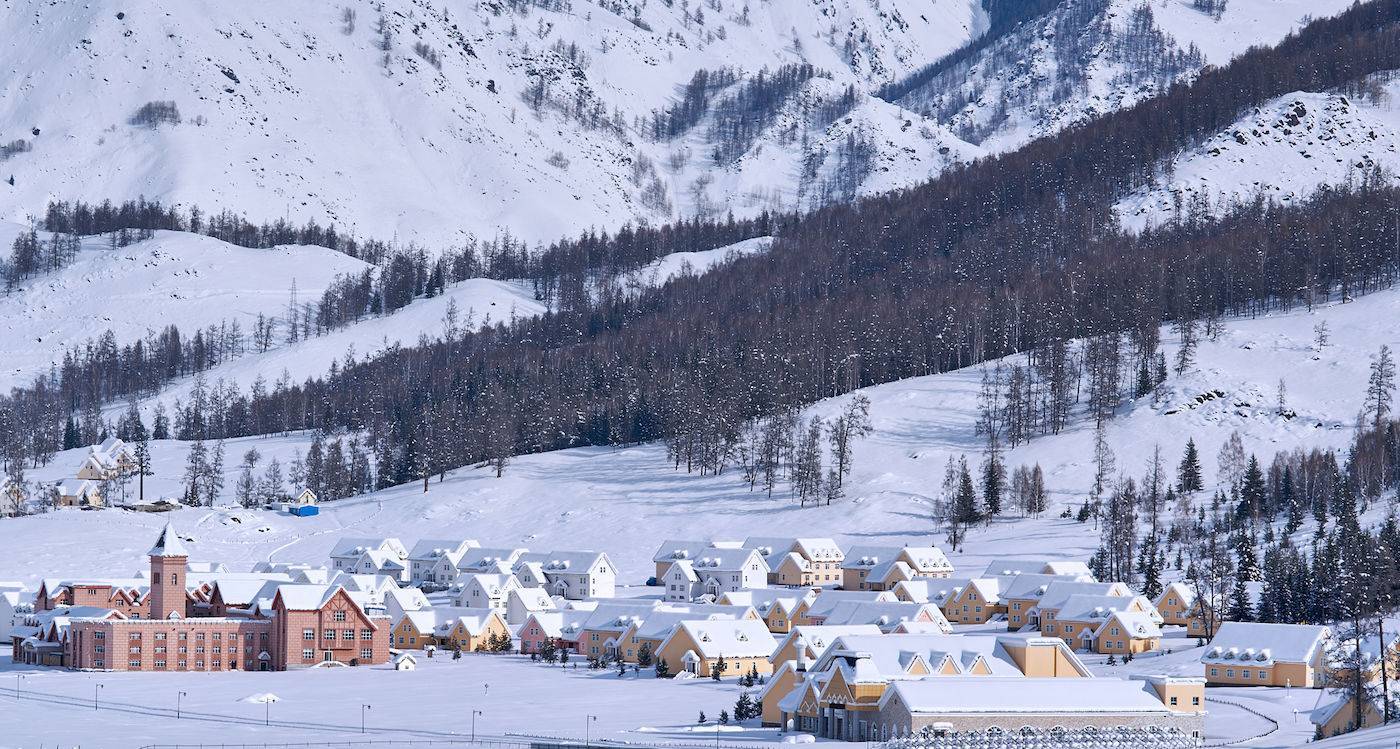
pixel 981 703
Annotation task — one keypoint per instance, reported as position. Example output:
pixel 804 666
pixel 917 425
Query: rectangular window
pixel 133 664
pixel 199 635
pixel 100 649
pixel 307 654
pixel 184 665
pixel 347 634
pixel 184 635
pixel 160 664
pixel 339 616
pixel 308 634
pixel 99 635
pixel 366 653
pixel 160 635
pixel 218 635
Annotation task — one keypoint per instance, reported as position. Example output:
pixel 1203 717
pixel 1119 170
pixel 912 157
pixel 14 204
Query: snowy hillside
pixel 433 123
pixel 1090 57
pixel 1281 152
pixel 413 119
pixel 190 280
pixel 624 500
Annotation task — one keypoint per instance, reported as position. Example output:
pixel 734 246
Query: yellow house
pixel 967 600
pixel 414 630
pixel 883 567
pixel 1127 632
pixel 1083 620
pixel 776 606
pixel 1336 714
pixel 649 631
pixel 1266 655
pixel 470 632
pixel 799 562
pixel 815 610
pixel 1176 604
pixel 78 493
pixel 697 647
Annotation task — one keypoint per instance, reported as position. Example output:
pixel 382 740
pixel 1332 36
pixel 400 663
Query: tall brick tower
pixel 168 558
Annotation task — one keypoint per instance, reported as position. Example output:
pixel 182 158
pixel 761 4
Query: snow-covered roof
pixel 1013 566
pixel 242 590
pixel 429 549
pixel 1135 624
pixel 305 597
pixel 671 550
pixel 922 558
pixel 729 638
pixel 890 656
pixel 1088 607
pixel 1261 643
pixel 489 559
pixel 712 560
pixel 353 547
pixel 533 599
pixel 1057 593
pixel 658 625
pixel 472 620
pixel 818 637
pixel 764 600
pixel 168 544
pixel 811 548
pixel 1032 585
pixel 993 695
pixel 827 600
pixel 561 562
pixel 1181 591
pixel 883 614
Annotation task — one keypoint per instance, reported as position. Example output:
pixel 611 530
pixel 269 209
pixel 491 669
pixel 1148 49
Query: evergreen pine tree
pixel 1189 473
pixel 1253 491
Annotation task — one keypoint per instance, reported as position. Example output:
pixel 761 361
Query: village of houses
pixel 851 644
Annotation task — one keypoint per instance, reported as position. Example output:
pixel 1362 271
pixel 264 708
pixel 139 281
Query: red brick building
pixel 307 625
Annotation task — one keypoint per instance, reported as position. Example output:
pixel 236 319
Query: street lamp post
pixel 474 714
pixel 587 724
pixel 363 708
pixel 17 680
pixel 178 695
pixel 267 711
pixel 95 687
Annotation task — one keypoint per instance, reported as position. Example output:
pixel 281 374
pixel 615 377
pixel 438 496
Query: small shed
pixel 307 497
pixel 405 662
pixel 304 511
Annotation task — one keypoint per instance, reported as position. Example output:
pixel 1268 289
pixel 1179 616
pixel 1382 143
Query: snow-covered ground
pixel 290 110
pixel 625 500
pixel 517 700
pixel 1283 151
pixel 189 280
pixel 410 120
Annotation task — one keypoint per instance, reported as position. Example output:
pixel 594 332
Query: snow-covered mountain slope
pixel 417 119
pixel 624 500
pixel 1280 152
pixel 190 280
pixel 1090 57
